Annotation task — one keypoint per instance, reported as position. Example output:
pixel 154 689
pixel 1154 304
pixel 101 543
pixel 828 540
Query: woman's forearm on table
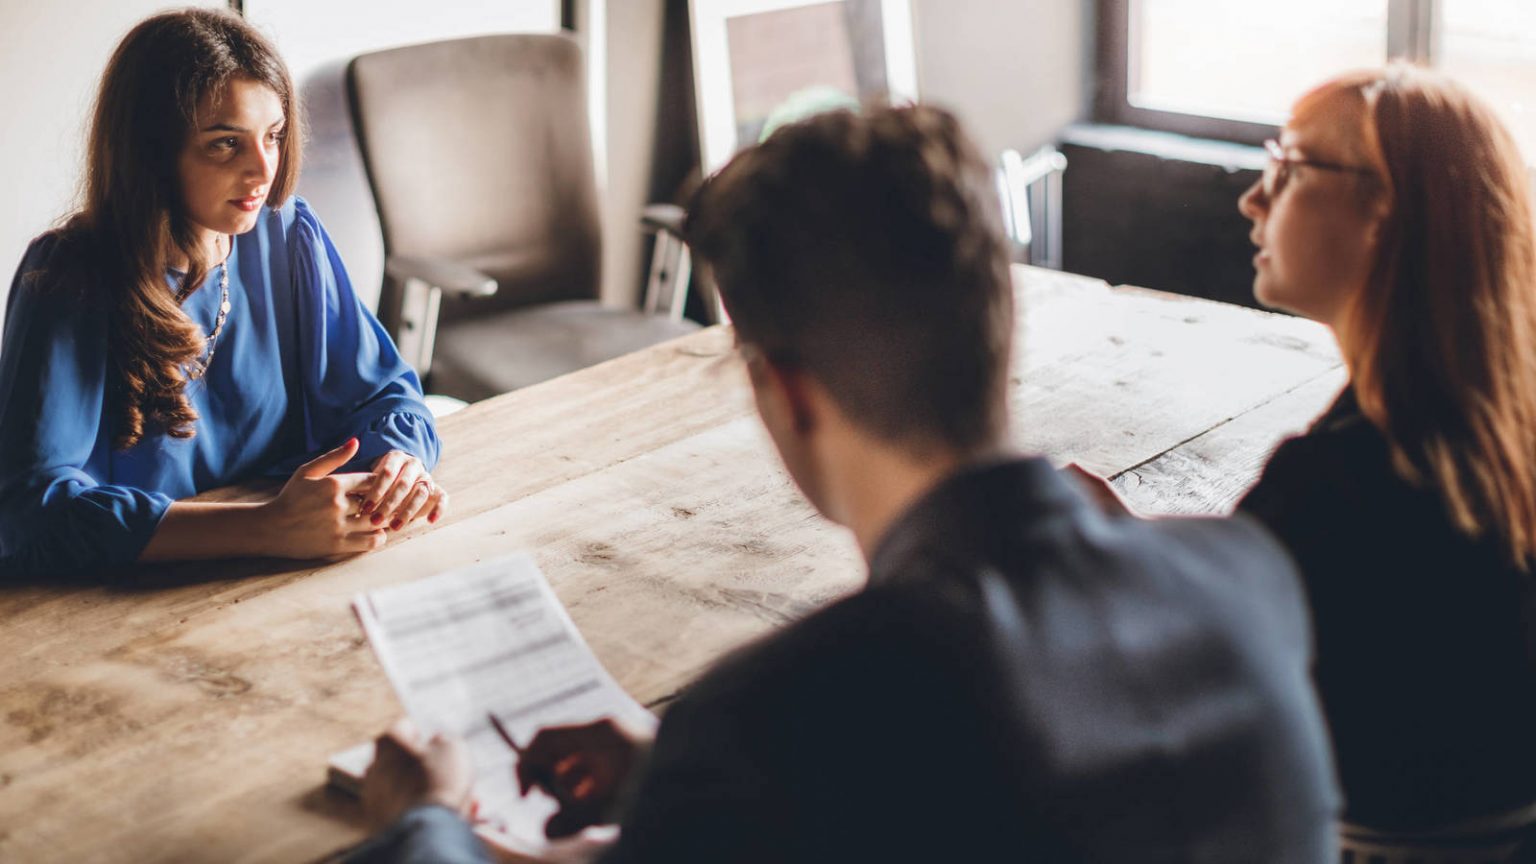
pixel 199 530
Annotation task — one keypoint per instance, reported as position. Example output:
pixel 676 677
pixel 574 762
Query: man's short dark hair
pixel 867 249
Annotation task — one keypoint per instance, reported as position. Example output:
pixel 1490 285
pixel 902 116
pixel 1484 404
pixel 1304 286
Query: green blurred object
pixel 805 103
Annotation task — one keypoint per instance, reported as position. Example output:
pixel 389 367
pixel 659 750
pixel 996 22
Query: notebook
pixel 491 637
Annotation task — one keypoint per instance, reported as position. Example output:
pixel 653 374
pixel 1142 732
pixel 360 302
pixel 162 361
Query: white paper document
pixel 487 638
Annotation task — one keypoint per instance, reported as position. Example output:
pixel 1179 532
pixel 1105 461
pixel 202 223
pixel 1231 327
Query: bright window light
pixel 1490 45
pixel 1247 61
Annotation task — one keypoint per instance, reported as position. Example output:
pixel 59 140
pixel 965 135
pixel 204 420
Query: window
pixel 1490 45
pixel 1223 69
pixel 758 62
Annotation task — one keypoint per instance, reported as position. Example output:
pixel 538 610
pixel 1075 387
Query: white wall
pixel 1016 71
pixel 51 58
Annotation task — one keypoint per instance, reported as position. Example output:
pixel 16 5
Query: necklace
pixel 200 367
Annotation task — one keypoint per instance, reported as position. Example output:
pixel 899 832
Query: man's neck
pixel 882 482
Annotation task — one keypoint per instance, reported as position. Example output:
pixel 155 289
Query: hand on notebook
pixel 410 772
pixel 583 767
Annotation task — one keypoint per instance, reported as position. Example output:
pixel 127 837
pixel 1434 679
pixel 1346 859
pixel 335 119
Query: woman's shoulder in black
pixel 1341 461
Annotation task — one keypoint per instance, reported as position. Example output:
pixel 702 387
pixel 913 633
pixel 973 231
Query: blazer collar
pixel 971 513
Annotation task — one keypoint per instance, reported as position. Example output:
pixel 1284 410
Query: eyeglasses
pixel 1277 171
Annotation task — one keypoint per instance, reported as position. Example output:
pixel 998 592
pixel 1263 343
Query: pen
pixel 570 780
pixel 528 776
pixel 505 735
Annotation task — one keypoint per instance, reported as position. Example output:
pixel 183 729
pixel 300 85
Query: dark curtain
pixel 675 165
pixel 675 172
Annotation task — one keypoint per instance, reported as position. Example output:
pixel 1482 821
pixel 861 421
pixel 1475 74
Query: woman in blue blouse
pixel 192 326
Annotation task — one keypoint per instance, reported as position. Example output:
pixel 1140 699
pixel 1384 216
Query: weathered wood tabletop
pixel 187 714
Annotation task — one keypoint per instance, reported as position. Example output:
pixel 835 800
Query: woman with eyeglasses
pixel 1396 209
pixel 192 326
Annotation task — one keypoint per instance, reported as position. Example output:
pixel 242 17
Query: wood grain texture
pixel 185 713
pixel 1209 473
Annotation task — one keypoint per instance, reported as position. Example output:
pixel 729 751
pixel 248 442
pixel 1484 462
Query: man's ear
pixel 790 387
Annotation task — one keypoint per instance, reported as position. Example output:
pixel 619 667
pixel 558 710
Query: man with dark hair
pixel 867 252
pixel 1023 677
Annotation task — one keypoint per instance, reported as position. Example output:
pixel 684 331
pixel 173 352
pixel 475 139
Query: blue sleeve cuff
pixel 141 527
pixel 78 532
pixel 423 835
pixel 410 431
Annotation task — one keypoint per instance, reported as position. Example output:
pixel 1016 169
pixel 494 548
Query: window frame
pixel 1412 29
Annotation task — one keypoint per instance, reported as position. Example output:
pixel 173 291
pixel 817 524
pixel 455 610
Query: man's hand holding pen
pixel 584 767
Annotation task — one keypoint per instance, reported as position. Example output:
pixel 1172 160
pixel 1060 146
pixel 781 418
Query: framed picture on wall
pixel 760 63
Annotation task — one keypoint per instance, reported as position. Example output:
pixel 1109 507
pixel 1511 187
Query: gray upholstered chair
pixel 479 155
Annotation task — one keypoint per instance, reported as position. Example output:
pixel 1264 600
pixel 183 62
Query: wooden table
pixel 188 717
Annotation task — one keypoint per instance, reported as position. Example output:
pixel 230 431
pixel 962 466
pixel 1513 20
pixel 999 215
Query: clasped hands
pixel 583 767
pixel 322 514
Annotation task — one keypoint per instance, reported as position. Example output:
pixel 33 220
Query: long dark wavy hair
pixel 132 214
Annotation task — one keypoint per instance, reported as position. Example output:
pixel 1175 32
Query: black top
pixel 1422 658
pixel 1022 677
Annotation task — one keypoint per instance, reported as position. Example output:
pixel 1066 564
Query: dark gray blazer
pixel 1023 679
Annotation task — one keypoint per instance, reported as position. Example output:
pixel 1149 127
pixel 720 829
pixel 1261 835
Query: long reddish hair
pixel 132 214
pixel 1442 341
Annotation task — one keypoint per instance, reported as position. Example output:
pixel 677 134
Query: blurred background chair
pixel 478 152
pixel 1029 188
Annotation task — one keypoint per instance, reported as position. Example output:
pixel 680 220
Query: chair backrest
pixel 479 150
pixel 1029 189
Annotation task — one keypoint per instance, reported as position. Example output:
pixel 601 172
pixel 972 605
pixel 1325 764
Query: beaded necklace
pixel 200 367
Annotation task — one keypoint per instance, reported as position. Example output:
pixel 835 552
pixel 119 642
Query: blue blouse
pixel 300 367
